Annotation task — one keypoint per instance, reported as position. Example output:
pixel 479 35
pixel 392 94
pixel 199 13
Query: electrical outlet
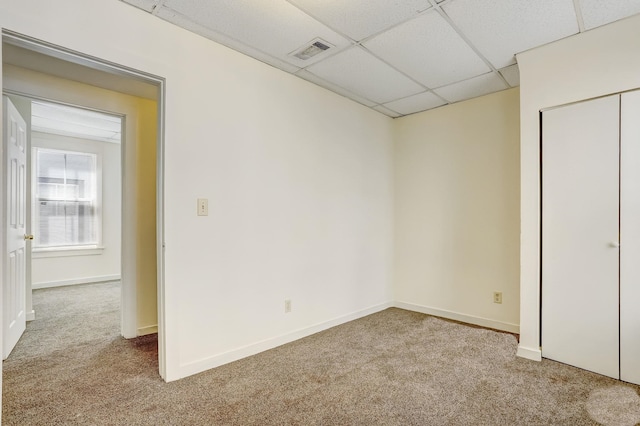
pixel 497 297
pixel 287 306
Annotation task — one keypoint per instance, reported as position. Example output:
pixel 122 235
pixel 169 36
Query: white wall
pixel 50 269
pixel 602 61
pixel 299 182
pixel 457 211
pixel 145 199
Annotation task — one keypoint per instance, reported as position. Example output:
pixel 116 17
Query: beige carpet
pixel 391 368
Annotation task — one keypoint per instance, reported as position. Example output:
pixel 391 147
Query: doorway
pixel 141 266
pixel 73 208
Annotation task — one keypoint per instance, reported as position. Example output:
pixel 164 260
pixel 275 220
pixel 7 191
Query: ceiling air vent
pixel 308 51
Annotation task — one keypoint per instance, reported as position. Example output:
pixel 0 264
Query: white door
pixel 630 238
pixel 580 235
pixel 14 316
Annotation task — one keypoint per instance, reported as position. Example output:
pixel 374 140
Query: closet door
pixel 580 235
pixel 630 238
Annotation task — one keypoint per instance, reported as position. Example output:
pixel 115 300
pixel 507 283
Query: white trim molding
pixel 149 329
pixel 87 280
pixel 457 316
pixel 534 354
pixel 66 251
pixel 195 367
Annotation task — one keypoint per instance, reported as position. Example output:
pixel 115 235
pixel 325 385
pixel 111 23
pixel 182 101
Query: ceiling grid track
pixel 326 24
pixel 397 57
pixel 359 44
pixel 398 24
pixel 469 43
pixel 578 9
pixel 156 7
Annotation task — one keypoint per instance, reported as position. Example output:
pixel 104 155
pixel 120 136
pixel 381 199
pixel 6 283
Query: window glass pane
pixel 51 164
pixel 80 169
pixel 50 172
pixel 66 198
pixel 51 228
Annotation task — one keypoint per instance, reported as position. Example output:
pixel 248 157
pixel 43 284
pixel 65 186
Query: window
pixel 66 199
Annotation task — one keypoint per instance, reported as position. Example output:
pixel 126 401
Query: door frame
pixel 129 311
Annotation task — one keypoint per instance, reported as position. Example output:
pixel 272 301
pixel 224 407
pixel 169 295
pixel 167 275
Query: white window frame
pixel 69 250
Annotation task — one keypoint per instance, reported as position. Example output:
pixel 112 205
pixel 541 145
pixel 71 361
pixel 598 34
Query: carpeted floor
pixel 391 368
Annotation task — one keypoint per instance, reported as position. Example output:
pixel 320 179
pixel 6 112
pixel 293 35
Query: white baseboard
pixel 470 319
pixel 31 316
pixel 87 280
pixel 150 329
pixel 534 354
pixel 252 349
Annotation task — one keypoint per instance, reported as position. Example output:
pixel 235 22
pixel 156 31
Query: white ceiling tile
pixel 511 74
pixel 474 87
pixel 76 122
pixel 275 27
pixel 363 74
pixel 416 103
pixel 501 28
pixel 330 86
pixel 359 19
pixel 387 111
pixel 69 114
pixel 186 23
pixel 146 5
pixel 44 125
pixel 429 50
pixel 599 12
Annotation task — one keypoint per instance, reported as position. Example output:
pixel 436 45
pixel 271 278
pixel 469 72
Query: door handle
pixel 28 237
pixel 614 244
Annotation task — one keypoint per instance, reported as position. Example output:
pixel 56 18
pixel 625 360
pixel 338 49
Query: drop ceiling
pixel 75 122
pixel 395 56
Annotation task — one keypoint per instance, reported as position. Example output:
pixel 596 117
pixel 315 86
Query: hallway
pixel 74 340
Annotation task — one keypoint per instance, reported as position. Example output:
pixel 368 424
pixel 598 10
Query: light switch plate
pixel 203 207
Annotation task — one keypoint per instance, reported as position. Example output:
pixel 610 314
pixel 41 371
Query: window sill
pixel 66 251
